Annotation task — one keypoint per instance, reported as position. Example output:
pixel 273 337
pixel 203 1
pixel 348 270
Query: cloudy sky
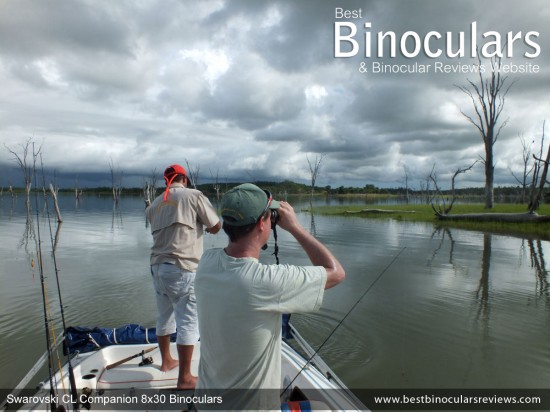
pixel 247 89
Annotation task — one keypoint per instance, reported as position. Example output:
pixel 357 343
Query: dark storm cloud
pixel 239 85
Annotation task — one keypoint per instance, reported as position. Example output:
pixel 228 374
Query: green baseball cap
pixel 245 204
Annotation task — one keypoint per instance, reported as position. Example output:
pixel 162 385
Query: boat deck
pixel 115 371
pixel 130 374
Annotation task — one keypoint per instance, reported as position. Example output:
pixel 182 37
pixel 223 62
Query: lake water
pixel 456 309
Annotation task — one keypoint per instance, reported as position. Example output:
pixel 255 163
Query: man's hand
pixel 287 217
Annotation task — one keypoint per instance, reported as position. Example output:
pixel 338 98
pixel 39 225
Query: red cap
pixel 170 174
pixel 172 171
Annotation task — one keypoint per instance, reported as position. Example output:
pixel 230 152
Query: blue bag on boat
pixel 83 339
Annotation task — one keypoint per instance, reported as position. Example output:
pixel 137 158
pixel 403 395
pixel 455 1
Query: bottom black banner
pixel 241 399
pixel 455 399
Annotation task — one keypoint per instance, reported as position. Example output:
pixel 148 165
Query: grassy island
pixel 425 213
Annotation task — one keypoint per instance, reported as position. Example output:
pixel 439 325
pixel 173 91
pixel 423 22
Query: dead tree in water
pixel 192 174
pixel 406 172
pixel 537 192
pixel 216 185
pixel 116 182
pixel 488 98
pixel 314 170
pixel 447 209
pixel 23 162
pixel 54 191
pixel 77 190
pixel 539 180
pixel 527 169
pixel 150 187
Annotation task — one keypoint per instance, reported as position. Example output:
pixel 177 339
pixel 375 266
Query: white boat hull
pixel 151 387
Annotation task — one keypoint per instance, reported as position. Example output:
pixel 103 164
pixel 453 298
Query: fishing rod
pixel 43 285
pixel 145 361
pixel 72 380
pixel 344 318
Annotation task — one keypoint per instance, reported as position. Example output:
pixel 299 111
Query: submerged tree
pixel 77 190
pixel 22 159
pixel 406 172
pixel 116 182
pixel 150 186
pixel 446 209
pixel 539 176
pixel 314 170
pixel 192 174
pixel 488 98
pixel 528 168
pixel 216 185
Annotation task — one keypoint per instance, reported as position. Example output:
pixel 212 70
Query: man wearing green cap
pixel 240 300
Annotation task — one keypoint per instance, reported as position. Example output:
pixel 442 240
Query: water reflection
pixel 56 238
pixel 534 247
pixel 444 232
pixel 28 235
pixel 539 264
pixel 482 293
pixel 462 299
pixel 312 227
pixel 31 233
pixel 116 222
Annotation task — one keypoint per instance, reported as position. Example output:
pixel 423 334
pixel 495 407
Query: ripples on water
pixel 458 309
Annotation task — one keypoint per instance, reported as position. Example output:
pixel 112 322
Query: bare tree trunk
pixel 116 182
pixel 536 199
pixel 489 178
pixel 55 204
pixel 433 177
pixel 527 169
pixel 536 202
pixel 192 174
pixel 314 169
pixel 22 161
pixel 77 191
pixel 406 171
pixel 216 184
pixel 488 97
pixel 453 179
pixel 150 187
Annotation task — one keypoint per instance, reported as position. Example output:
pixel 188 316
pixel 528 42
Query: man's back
pixel 242 300
pixel 177 226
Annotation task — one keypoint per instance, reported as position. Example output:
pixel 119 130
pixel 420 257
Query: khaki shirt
pixel 177 226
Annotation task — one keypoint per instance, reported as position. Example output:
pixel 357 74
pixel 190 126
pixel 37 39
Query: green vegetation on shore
pixel 293 188
pixel 424 213
pixel 418 212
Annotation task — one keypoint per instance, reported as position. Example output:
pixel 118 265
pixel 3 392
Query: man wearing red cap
pixel 177 218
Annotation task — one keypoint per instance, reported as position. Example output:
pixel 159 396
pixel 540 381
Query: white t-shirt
pixel 239 304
